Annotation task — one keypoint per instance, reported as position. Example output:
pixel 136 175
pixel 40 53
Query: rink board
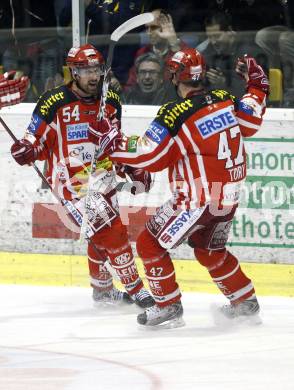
pixel 263 228
pixel 67 270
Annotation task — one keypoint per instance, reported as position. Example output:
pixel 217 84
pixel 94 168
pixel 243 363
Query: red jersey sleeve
pixel 41 129
pixel 250 111
pixel 156 150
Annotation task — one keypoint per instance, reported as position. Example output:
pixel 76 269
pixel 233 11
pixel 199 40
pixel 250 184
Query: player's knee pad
pixel 148 246
pixel 210 259
pixel 118 236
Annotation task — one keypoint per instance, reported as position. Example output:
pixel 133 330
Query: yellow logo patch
pixel 44 109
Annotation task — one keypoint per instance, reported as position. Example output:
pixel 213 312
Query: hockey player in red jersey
pixel 199 138
pixel 58 133
pixel 12 88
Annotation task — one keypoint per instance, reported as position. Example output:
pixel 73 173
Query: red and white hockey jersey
pixel 59 126
pixel 200 140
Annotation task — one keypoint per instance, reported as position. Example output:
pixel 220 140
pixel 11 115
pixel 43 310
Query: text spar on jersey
pixel 77 132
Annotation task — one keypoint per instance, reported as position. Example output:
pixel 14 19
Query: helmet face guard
pixel 187 65
pixel 97 70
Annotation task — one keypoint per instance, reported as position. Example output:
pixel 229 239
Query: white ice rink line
pixel 52 338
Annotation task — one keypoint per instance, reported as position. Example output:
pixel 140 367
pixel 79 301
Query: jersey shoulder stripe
pixel 222 95
pixel 113 99
pixel 52 100
pixel 172 115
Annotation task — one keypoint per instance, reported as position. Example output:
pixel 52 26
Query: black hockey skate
pixel 169 316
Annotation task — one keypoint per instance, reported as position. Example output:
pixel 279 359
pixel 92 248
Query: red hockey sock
pixel 231 280
pixel 117 247
pixel 100 278
pixel 159 270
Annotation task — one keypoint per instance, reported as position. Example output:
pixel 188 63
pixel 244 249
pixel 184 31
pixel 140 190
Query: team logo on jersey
pixel 80 154
pixel 122 259
pixel 156 132
pixel 34 124
pixel 245 108
pixel 77 132
pixel 216 122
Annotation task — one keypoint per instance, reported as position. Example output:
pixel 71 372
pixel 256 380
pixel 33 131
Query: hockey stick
pixel 127 26
pixel 123 29
pixel 75 215
pixel 73 212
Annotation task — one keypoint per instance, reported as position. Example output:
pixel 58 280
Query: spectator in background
pixel 150 87
pixel 270 23
pixel 251 15
pixel 103 17
pixel 163 42
pixel 14 57
pixel 286 45
pixel 278 43
pixel 34 50
pixel 222 49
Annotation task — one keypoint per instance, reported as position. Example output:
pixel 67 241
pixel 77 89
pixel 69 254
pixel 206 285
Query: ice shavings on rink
pixel 53 338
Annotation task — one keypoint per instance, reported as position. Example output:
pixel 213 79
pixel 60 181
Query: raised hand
pixel 252 73
pixel 167 30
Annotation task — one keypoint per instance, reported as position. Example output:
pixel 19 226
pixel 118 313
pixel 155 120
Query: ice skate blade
pixel 250 320
pixel 109 305
pixel 170 324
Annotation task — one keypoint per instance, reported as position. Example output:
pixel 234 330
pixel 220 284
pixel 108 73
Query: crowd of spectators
pixel 35 39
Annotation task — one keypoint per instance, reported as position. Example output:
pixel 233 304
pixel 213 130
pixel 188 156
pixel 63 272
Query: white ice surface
pixel 53 338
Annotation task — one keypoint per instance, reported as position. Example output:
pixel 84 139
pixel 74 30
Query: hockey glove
pixel 24 152
pixel 106 134
pixel 12 91
pixel 141 179
pixel 252 73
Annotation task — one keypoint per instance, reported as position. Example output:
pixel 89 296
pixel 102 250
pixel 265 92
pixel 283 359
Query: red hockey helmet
pixel 188 64
pixel 84 56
